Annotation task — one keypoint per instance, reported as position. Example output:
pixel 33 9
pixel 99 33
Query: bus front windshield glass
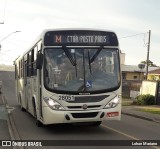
pixel 81 69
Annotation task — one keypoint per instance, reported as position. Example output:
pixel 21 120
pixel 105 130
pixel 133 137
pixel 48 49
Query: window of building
pixel 135 77
pixel 124 76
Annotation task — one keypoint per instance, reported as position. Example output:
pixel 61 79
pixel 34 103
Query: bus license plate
pixel 67 98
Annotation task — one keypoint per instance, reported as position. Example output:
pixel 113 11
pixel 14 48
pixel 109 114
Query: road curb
pixel 141 117
pixel 11 125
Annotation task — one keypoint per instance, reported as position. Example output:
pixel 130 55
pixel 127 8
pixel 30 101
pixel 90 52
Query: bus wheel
pixel 22 109
pixel 97 123
pixel 38 123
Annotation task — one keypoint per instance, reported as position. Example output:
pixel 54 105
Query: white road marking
pixel 127 135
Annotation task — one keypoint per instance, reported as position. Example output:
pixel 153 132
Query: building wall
pixel 153 77
pixel 122 58
pixel 130 85
pixel 132 76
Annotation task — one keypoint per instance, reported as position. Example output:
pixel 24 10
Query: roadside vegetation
pixel 145 100
pixel 140 100
pixel 150 110
pixel 144 103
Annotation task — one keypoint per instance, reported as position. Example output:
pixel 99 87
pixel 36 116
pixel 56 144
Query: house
pixel 133 72
pixel 132 77
pixel 154 75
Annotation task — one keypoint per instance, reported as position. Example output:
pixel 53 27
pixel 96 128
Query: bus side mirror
pixel 39 61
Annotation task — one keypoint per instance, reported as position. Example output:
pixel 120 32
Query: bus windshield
pixel 81 69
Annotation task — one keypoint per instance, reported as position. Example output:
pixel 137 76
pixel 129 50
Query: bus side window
pixel 19 69
pixel 16 72
pixel 34 57
pixel 29 64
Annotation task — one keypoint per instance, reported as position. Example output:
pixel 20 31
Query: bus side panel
pixel 29 95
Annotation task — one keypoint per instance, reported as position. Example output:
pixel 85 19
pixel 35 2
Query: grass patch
pixel 150 110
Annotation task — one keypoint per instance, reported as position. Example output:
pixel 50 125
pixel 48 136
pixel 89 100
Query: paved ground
pixel 4 133
pixel 4 121
pixel 127 110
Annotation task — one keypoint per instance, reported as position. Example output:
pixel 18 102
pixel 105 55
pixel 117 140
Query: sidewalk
pixel 4 131
pixel 135 112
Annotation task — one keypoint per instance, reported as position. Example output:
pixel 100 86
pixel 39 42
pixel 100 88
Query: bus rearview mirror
pixel 39 61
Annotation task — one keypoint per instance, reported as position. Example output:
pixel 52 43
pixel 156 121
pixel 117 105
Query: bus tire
pixel 38 123
pixel 23 109
pixel 20 102
pixel 97 123
pixel 34 109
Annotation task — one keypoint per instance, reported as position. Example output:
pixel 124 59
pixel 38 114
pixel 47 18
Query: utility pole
pixel 148 48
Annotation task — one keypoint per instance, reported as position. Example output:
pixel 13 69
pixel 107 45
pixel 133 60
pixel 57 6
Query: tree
pixel 150 63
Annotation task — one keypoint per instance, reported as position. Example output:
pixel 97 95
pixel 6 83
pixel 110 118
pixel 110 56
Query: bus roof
pixel 73 29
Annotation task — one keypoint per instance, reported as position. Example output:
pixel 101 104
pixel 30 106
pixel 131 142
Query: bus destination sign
pixel 78 38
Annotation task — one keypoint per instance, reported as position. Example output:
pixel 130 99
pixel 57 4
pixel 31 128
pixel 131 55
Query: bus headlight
pixel 113 103
pixel 53 104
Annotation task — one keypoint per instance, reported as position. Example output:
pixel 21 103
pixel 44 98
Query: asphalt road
pixel 24 128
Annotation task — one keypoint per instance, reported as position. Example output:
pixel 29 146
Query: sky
pixel 131 20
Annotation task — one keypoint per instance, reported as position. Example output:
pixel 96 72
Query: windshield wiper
pixel 95 55
pixel 69 56
pixel 73 61
pixel 90 60
pixel 89 63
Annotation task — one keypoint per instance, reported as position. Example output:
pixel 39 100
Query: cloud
pixel 124 17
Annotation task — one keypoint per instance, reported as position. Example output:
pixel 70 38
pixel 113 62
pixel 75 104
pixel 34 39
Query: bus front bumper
pixel 56 117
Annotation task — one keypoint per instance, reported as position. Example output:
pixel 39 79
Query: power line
pixel 15 44
pixel 132 35
pixel 144 36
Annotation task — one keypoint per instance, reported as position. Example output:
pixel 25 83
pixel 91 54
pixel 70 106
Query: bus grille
pixel 80 107
pixel 85 115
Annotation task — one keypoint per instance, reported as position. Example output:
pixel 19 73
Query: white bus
pixel 70 76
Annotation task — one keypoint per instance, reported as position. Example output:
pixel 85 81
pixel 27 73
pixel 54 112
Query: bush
pixel 145 99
